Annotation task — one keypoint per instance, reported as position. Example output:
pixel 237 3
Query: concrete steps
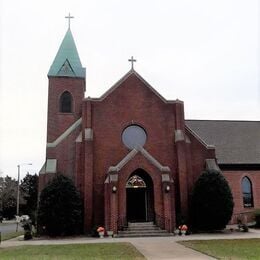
pixel 142 229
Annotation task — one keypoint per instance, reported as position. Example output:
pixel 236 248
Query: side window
pixel 66 102
pixel 247 192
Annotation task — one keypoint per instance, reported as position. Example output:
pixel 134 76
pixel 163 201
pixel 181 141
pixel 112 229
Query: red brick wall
pixel 134 103
pixel 58 122
pixel 88 162
pixel 234 179
pixel 199 153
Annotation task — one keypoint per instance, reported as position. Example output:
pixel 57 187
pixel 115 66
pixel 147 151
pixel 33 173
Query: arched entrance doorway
pixel 139 197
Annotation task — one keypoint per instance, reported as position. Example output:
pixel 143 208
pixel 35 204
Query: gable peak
pixel 132 72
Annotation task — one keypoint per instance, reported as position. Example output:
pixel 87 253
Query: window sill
pixel 64 114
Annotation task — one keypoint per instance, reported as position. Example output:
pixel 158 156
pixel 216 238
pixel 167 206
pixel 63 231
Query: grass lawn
pixel 227 249
pixel 75 252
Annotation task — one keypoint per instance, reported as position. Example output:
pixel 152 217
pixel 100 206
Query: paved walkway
pixel 151 247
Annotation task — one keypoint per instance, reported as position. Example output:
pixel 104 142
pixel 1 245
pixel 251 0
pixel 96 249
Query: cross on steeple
pixel 69 17
pixel 132 60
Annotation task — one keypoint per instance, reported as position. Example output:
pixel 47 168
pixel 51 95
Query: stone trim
pixel 51 166
pixel 88 134
pixel 129 73
pixel 107 180
pixel 123 162
pixel 179 135
pixel 153 161
pixel 166 177
pixel 211 164
pixel 65 133
pixel 42 170
pixel 187 139
pixel 79 138
pixel 132 154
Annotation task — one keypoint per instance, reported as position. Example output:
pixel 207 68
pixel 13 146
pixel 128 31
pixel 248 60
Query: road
pixel 9 227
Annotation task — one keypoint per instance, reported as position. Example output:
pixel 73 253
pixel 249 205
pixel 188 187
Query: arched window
pixel 247 192
pixel 66 102
pixel 135 182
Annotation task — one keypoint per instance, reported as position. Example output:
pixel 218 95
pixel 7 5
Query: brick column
pixel 107 204
pixel 182 175
pixel 88 167
pixel 113 202
pixel 168 193
pixel 181 155
pixel 88 199
pixel 79 166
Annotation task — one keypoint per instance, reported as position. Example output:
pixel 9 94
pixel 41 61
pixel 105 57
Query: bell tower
pixel 65 96
pixel 66 88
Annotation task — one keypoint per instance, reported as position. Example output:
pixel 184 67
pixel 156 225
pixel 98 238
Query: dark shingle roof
pixel 236 142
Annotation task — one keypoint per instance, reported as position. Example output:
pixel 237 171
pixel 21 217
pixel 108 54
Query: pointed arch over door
pixel 66 102
pixel 140 197
pixel 248 200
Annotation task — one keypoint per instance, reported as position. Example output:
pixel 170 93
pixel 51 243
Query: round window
pixel 134 136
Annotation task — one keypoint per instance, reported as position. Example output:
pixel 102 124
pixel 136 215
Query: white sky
pixel 203 52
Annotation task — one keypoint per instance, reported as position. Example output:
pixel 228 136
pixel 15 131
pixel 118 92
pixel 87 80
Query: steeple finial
pixel 69 17
pixel 132 60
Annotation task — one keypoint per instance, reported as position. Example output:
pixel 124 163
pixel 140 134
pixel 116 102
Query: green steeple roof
pixel 67 62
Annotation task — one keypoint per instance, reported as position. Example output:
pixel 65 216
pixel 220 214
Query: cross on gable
pixel 132 60
pixel 69 17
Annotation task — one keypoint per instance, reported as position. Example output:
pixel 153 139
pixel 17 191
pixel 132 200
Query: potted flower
pixel 110 233
pixel 176 232
pixel 101 232
pixel 183 229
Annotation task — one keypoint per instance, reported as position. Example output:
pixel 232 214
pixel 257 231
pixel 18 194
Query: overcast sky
pixel 203 52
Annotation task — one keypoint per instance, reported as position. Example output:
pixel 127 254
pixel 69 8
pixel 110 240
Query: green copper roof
pixel 67 62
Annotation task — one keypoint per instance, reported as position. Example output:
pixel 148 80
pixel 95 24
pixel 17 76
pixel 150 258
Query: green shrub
pixel 94 232
pixel 212 202
pixel 244 228
pixel 60 211
pixel 27 235
pixel 257 218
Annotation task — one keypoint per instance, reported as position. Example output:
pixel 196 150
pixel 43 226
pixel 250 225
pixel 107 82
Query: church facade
pixel 131 153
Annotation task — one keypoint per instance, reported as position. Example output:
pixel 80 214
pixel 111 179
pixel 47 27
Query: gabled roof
pixel 236 142
pixel 67 62
pixel 124 78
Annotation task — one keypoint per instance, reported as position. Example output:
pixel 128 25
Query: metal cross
pixel 69 17
pixel 132 60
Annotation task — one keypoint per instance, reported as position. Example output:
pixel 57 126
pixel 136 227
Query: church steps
pixel 142 229
pixel 138 224
pixel 144 235
pixel 158 231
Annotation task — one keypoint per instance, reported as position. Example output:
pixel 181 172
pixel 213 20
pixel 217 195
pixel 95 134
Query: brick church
pixel 132 154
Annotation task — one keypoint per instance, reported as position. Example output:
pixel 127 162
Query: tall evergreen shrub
pixel 60 211
pixel 212 202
